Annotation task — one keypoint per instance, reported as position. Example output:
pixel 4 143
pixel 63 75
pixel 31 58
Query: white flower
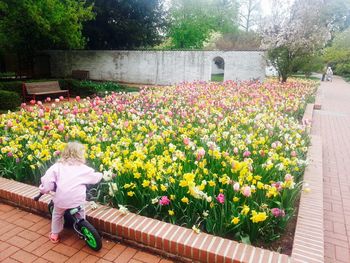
pixel 93 205
pixel 205 213
pixel 196 229
pixel 107 175
pixel 123 209
pixel 112 188
pixel 154 201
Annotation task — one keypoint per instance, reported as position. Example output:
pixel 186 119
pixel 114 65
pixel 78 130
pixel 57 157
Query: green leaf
pixel 245 239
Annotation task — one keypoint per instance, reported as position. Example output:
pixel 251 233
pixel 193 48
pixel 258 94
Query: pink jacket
pixel 71 181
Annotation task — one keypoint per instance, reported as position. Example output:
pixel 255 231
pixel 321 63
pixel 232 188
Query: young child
pixel 70 175
pixel 329 74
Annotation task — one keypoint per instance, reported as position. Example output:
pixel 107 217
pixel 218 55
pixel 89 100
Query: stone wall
pixel 157 67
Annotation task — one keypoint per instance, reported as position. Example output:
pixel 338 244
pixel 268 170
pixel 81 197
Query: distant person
pixel 324 72
pixel 329 74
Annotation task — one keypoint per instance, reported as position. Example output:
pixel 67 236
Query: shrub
pixel 7 74
pixel 75 88
pixel 101 86
pixel 87 87
pixel 9 100
pixel 13 86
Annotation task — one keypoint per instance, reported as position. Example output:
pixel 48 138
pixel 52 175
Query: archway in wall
pixel 217 69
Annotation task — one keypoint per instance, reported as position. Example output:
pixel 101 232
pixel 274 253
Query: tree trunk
pixel 284 78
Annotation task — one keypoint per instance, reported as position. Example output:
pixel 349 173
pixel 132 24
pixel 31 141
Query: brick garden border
pixel 182 242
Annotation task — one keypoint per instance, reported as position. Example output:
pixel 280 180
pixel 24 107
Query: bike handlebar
pixel 36 198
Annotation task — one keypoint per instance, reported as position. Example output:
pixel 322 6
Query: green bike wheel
pixel 91 236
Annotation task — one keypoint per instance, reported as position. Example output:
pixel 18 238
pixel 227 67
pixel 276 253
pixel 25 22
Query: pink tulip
pixel 77 98
pixel 60 127
pixel 9 123
pixel 186 141
pixel 200 154
pixel 236 187
pixel 288 177
pixel 48 99
pixel 247 191
pixel 164 200
pixel 276 212
pixel 40 113
pixel 246 154
pixel 221 198
pixel 61 98
pixel 293 154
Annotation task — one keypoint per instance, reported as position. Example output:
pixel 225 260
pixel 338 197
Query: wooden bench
pixel 34 89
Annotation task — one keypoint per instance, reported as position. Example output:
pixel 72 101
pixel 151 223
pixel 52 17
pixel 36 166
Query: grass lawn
pixel 217 77
pixel 302 76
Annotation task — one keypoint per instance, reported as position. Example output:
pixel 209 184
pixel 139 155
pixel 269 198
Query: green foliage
pixel 9 100
pixel 75 87
pixel 100 86
pixel 87 88
pixel 125 24
pixel 7 74
pixel 27 26
pixel 192 21
pixel 287 62
pixel 307 64
pixel 338 55
pixel 281 59
pixel 13 86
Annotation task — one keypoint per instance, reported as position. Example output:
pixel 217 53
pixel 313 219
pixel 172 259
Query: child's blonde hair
pixel 73 152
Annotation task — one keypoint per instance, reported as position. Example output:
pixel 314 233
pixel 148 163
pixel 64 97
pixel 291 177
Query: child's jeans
pixel 58 218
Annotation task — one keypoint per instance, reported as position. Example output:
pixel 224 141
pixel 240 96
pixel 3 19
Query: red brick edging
pixel 318 99
pixel 308 241
pixel 152 233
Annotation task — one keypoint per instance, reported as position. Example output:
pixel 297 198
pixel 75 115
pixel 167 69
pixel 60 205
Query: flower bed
pixel 226 158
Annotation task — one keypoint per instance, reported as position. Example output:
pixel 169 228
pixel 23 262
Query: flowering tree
pixel 295 33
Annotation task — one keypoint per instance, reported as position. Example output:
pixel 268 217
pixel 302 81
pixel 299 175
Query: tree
pixel 40 24
pixel 299 34
pixel 240 40
pixel 125 24
pixel 32 25
pixel 249 14
pixel 193 21
pixel 338 54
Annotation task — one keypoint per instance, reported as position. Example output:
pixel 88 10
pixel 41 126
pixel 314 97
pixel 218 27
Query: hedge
pixel 9 100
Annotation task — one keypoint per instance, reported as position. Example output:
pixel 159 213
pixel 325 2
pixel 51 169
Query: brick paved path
pixel 24 238
pixel 332 123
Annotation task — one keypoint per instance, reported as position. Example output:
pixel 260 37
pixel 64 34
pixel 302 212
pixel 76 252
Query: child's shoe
pixel 54 238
